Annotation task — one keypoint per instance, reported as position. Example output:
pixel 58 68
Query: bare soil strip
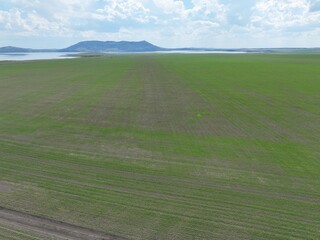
pixel 52 228
pixel 5 186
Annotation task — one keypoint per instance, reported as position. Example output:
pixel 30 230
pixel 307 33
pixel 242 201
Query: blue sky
pixel 167 23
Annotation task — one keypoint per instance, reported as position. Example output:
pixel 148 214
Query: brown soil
pixel 50 228
pixel 5 186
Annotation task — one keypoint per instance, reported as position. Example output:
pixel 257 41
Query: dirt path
pixel 49 228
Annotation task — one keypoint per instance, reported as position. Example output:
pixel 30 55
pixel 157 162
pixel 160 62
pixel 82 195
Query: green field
pixel 164 146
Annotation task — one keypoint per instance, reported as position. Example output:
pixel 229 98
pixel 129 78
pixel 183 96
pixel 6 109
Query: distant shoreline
pixel 32 56
pixel 128 47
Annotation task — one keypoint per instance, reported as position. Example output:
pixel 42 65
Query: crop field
pixel 172 146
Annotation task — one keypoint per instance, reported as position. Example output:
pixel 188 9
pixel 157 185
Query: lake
pixel 33 56
pixel 63 55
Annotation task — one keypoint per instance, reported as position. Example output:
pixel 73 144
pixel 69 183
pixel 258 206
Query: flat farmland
pixel 172 146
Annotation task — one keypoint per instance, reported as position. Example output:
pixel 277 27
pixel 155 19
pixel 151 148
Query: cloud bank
pixel 168 23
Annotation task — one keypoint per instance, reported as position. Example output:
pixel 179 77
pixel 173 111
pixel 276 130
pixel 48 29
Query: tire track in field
pixel 217 210
pixel 51 228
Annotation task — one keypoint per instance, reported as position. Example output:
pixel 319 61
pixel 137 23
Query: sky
pixel 166 23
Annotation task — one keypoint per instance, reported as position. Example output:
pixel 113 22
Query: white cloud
pixel 206 23
pixel 124 9
pixel 283 14
pixel 11 19
pixel 170 23
pixel 202 9
pixel 207 8
pixel 170 6
pixel 15 21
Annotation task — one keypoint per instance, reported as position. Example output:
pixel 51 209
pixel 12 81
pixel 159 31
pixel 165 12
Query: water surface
pixel 32 56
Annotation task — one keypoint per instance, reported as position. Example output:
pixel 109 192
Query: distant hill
pixel 10 49
pixel 111 46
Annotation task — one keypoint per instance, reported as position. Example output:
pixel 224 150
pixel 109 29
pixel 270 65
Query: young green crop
pixel 164 146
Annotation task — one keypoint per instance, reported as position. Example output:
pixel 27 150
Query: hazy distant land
pixel 144 46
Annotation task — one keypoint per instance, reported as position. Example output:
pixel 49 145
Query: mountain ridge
pixel 112 46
